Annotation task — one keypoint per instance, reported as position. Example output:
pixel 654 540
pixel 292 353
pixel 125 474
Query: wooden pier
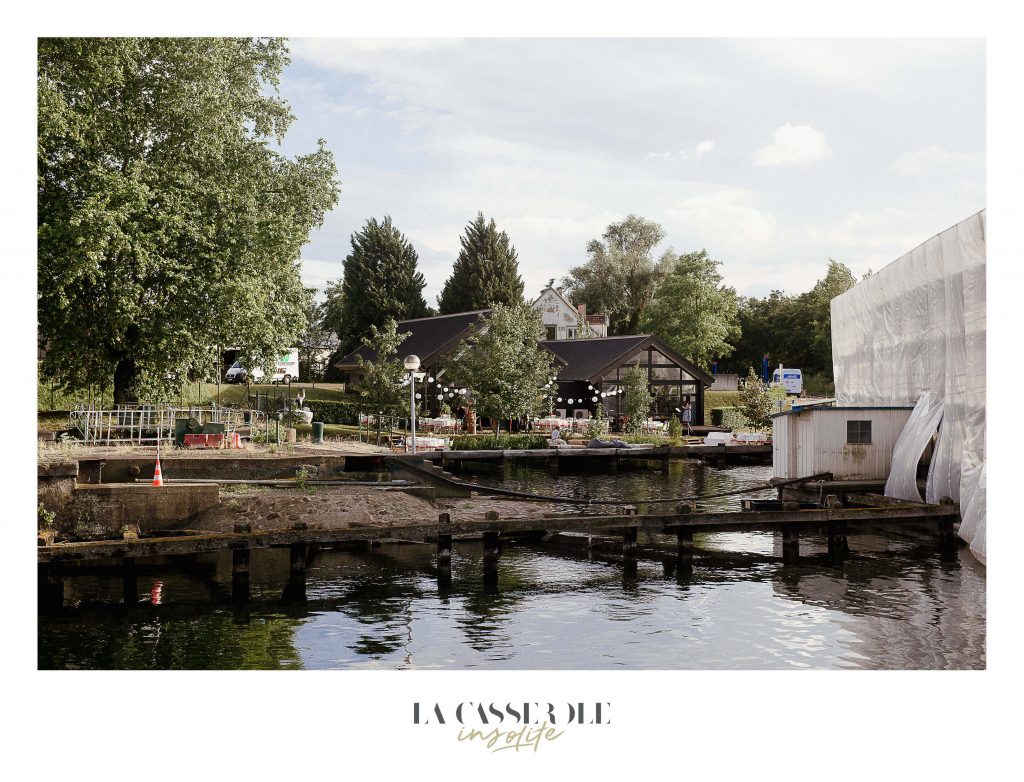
pixel 717 454
pixel 832 520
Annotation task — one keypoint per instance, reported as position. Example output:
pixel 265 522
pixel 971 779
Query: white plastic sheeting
pixel 911 444
pixel 918 327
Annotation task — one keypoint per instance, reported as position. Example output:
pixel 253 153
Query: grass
pixel 189 394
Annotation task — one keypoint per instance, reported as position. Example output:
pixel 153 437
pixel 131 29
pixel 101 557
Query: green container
pixel 180 430
pixel 318 431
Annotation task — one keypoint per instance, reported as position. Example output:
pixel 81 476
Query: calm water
pixel 892 604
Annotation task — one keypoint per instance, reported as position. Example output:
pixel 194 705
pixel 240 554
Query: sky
pixel 774 155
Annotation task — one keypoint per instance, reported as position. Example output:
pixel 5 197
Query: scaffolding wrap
pixel 916 331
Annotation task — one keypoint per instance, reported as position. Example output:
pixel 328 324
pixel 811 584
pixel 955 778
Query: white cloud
pixel 935 159
pixel 794 145
pixel 725 221
pixel 704 148
pixel 699 151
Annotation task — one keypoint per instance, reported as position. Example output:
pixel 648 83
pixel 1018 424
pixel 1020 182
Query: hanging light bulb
pixel 593 399
pixel 570 401
pixel 590 388
pixel 440 397
pixel 430 380
pixel 559 399
pixel 418 396
pixel 450 395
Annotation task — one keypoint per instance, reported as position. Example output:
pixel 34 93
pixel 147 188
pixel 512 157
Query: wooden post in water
pixel 790 544
pixel 240 568
pixel 629 534
pixel 492 549
pixel 129 582
pixel 444 556
pixel 838 547
pixel 295 589
pixel 491 543
pixel 684 543
pixel 444 540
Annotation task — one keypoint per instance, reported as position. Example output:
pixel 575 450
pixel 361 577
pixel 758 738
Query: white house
pixel 565 321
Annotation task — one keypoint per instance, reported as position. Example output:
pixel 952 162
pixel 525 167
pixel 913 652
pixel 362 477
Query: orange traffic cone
pixel 158 478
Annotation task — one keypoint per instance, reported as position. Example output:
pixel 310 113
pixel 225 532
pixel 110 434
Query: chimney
pixel 583 310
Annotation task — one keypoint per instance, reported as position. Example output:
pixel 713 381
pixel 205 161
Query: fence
pixel 150 425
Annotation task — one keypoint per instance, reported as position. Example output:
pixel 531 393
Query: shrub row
pixel 490 442
pixel 329 412
pixel 729 417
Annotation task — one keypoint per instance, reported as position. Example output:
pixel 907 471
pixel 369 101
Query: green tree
pixel 319 342
pixel 638 399
pixel 794 330
pixel 380 282
pixel 167 223
pixel 693 311
pixel 756 402
pixel 621 275
pixel 380 380
pixel 485 273
pixel 507 372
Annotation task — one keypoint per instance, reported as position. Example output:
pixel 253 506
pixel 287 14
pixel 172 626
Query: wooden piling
pixel 240 568
pixel 790 544
pixel 629 534
pixel 295 589
pixel 492 548
pixel 444 541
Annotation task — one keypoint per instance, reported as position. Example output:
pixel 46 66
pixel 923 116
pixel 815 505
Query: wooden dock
pixel 720 454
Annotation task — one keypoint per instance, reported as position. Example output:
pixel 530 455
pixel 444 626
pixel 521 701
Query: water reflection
pixel 893 604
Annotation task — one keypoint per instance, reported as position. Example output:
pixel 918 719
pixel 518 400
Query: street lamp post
pixel 412 364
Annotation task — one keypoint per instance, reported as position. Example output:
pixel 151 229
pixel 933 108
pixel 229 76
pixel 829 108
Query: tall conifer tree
pixel 380 282
pixel 485 273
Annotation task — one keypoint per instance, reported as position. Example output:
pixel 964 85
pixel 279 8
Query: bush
pixel 728 417
pixel 713 399
pixel 491 442
pixel 328 412
pixel 675 428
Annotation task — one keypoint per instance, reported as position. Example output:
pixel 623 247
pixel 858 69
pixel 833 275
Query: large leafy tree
pixel 693 311
pixel 168 223
pixel 380 380
pixel 795 330
pixel 621 274
pixel 485 273
pixel 380 282
pixel 507 372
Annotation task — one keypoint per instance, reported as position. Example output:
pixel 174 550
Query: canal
pixel 895 603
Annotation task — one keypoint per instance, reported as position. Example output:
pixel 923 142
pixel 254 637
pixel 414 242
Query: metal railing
pixel 150 425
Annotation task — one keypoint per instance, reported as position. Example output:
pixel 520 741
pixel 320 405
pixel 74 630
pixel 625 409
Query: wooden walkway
pixel 580 456
pixel 302 542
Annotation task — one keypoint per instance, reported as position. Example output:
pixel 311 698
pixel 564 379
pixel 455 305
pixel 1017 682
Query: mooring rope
pixel 589 501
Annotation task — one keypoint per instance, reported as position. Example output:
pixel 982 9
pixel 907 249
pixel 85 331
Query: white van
pixel 239 374
pixel 286 367
pixel 792 380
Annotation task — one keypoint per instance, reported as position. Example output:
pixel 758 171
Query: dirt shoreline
pixel 339 507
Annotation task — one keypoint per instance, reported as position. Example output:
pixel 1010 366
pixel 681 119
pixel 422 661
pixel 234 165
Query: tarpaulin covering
pixel 910 446
pixel 917 328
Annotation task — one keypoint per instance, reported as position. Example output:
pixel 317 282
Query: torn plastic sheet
pixel 909 448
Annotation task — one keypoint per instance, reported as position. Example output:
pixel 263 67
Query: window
pixel 570 333
pixel 552 332
pixel 858 432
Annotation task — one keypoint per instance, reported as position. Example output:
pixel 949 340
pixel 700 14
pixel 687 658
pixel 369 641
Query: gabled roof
pixel 590 359
pixel 569 305
pixel 428 337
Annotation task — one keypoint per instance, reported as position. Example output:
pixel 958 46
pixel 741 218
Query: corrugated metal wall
pixel 814 441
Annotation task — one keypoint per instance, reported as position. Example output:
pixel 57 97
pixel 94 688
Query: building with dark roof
pixel 590 371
